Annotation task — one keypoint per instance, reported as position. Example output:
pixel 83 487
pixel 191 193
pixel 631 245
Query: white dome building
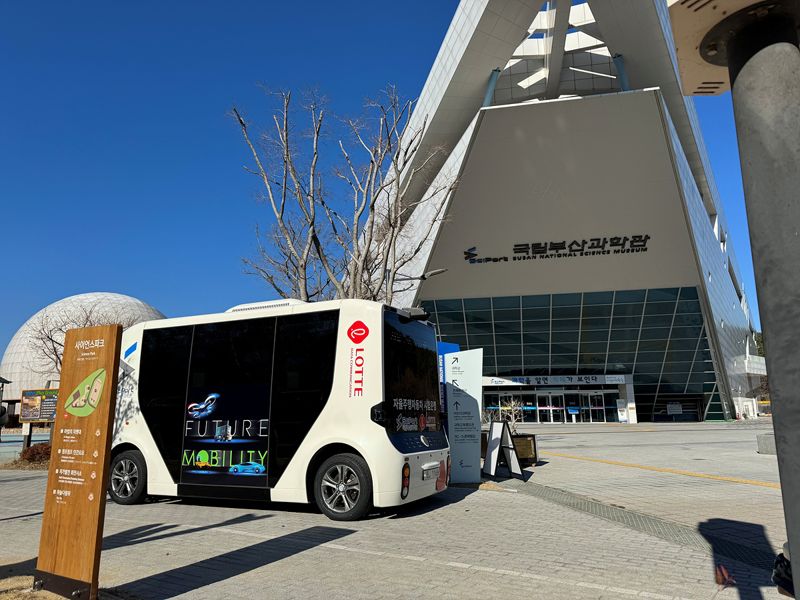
pixel 27 366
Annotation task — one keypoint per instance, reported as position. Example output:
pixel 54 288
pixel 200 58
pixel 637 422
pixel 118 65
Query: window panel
pixel 647 357
pixel 461 340
pixel 689 320
pixel 593 359
pixel 566 312
pixel 621 357
pixel 566 325
pixel 479 328
pixel 593 347
pixel 536 338
pixel 662 295
pixel 537 361
pixel 564 348
pixel 477 341
pixel 536 326
pixel 679 356
pixel 626 322
pixel 642 389
pixel 509 361
pixel 688 306
pixel 671 389
pixel 536 301
pixel 688 293
pixel 510 350
pixel 428 306
pixel 450 318
pixel 451 329
pixel 677 377
pixel 649 368
pixel 629 296
pixel 682 344
pixel 624 334
pixel 536 349
pixel 619 367
pixel 598 297
pixel 507 315
pixel 506 302
pixel 594 336
pixel 507 327
pixel 628 310
pixel 657 321
pixel 534 314
pixel 595 324
pixel 507 338
pixel 694 388
pixel 659 308
pixel 533 338
pixel 478 316
pixel 686 332
pixel 622 346
pixel 652 345
pixel 448 305
pixel 564 336
pixel 477 303
pixel 566 299
pixel 599 310
pixel 508 370
pixel 655 333
pixel 564 360
pixel 645 379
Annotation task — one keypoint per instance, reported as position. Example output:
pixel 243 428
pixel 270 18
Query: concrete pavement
pixel 542 539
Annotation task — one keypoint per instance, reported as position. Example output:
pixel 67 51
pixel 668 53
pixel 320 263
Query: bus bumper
pixel 428 476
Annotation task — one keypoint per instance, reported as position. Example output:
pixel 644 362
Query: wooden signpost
pixel 74 508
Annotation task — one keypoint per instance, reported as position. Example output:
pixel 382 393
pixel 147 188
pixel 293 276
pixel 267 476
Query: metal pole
pixel 765 78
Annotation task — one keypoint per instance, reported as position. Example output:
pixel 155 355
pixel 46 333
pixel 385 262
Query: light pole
pixel 757 42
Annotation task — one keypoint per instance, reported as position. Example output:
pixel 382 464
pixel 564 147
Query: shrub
pixel 36 453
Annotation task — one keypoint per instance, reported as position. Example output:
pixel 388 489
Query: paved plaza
pixel 610 512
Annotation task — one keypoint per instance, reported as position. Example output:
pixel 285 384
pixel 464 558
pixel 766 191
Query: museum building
pixel 584 247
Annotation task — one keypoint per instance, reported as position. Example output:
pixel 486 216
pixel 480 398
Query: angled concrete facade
pixel 585 247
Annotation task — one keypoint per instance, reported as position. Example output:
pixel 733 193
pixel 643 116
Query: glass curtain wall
pixel 658 335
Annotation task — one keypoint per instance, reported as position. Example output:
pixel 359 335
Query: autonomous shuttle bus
pixel 332 402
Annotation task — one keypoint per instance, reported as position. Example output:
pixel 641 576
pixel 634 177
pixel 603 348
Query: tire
pixel 128 479
pixel 343 487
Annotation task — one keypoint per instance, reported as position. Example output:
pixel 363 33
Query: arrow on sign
pixel 455 383
pixel 454 361
pixel 457 404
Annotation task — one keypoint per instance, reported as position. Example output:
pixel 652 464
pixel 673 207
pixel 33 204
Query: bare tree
pixel 48 330
pixel 348 239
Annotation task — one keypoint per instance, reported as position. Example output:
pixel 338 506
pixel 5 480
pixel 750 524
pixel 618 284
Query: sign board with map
pixel 74 507
pixel 38 406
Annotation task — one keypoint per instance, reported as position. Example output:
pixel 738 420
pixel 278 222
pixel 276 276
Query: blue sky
pixel 121 171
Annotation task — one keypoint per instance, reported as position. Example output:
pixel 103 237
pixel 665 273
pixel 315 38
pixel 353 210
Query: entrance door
pixel 597 404
pixel 543 406
pixel 558 410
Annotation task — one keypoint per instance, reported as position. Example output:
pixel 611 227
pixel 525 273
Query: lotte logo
pixel 358 332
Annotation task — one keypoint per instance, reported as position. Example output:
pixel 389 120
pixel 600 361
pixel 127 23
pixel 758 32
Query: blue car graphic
pixel 248 467
pixel 200 410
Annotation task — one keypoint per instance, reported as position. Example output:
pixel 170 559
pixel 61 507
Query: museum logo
pixel 599 246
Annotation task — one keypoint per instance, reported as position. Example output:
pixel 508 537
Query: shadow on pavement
pixel 192 577
pixel 744 543
pixel 153 532
pixel 452 495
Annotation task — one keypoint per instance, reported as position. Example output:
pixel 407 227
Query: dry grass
pixel 21 588
pixel 24 465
